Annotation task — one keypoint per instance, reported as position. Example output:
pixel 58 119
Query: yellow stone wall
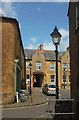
pixel 47 71
pixel 38 56
pixel 65 59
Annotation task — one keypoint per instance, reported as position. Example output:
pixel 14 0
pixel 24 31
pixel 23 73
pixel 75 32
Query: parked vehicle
pixel 49 89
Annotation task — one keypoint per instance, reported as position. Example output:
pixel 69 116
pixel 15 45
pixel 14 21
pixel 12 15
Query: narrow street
pixel 26 112
pixel 36 111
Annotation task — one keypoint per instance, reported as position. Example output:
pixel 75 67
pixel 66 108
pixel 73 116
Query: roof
pixel 49 54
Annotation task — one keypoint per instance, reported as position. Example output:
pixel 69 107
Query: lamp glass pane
pixel 56 40
pixel 59 38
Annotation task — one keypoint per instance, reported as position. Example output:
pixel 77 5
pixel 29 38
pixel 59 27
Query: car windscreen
pixel 52 86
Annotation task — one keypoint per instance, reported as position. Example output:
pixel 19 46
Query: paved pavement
pixel 34 107
pixel 38 98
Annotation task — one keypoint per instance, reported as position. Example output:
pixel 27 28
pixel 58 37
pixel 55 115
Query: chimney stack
pixel 67 48
pixel 41 47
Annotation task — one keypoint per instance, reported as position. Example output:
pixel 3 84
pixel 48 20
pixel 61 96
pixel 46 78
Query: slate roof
pixel 49 54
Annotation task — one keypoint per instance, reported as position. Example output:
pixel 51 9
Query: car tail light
pixel 47 89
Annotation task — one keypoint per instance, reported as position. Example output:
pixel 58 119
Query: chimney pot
pixel 41 47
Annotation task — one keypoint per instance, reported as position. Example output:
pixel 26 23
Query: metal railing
pixel 59 107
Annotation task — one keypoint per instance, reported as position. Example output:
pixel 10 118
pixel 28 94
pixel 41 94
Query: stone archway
pixel 38 79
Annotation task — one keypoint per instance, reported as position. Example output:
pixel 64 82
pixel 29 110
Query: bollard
pixel 17 97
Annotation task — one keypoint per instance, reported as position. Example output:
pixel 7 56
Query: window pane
pixel 38 66
pixel 65 66
pixel 52 86
pixel 27 65
pixel 69 67
pixel 52 78
pixel 52 66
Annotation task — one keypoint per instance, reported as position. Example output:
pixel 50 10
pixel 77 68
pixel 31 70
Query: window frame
pixel 63 67
pixel 38 65
pixel 27 66
pixel 52 66
pixel 69 66
pixel 52 79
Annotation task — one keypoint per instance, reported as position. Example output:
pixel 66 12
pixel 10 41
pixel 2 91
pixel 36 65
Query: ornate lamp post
pixel 30 65
pixel 56 37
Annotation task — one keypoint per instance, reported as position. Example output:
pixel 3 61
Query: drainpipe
pixel 16 61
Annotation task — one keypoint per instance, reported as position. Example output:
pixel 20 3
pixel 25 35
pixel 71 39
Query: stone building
pixel 74 54
pixel 65 69
pixel 13 60
pixel 44 66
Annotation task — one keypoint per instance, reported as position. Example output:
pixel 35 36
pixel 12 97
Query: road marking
pixel 41 104
pixel 24 107
pixel 45 116
pixel 42 116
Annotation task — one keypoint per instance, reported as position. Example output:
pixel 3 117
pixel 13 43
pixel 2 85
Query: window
pixel 64 78
pixel 27 79
pixel 65 66
pixel 27 65
pixel 77 16
pixel 52 78
pixel 69 67
pixel 52 66
pixel 38 66
pixel 69 78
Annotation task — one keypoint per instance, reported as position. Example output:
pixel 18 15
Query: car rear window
pixel 52 86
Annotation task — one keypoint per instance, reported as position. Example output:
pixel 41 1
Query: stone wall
pixel 65 59
pixel 12 49
pixel 8 57
pixel 74 55
pixel 38 56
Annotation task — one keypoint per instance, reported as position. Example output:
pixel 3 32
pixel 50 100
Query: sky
pixel 37 21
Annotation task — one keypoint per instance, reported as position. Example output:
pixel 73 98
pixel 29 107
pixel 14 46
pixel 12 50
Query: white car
pixel 49 89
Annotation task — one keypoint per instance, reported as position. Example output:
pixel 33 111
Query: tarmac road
pixel 38 111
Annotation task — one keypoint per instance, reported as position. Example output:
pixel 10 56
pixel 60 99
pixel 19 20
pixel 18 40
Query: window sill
pixel 39 70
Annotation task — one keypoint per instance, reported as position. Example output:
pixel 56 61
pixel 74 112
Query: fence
pixel 60 109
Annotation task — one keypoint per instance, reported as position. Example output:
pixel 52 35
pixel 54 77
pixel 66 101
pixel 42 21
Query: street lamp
pixel 56 37
pixel 30 65
pixel 64 77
